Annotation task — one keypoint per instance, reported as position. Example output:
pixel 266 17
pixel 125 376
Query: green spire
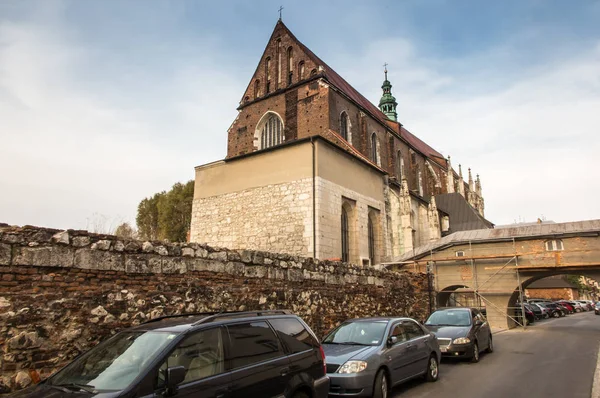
pixel 388 103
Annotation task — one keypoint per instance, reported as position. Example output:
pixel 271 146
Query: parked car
pixel 558 310
pixel 368 356
pixel 597 308
pixel 546 312
pixel 251 354
pixel 518 314
pixel 576 306
pixel 461 332
pixel 537 312
pixel 567 305
pixel 586 305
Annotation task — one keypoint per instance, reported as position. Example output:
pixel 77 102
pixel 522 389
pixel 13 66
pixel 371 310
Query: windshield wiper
pixel 72 386
pixel 352 343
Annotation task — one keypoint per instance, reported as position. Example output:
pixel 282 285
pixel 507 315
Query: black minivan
pixel 225 355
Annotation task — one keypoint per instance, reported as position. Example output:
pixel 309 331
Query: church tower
pixel 388 103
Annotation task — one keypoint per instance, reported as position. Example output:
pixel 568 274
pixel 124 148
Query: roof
pixel 552 283
pixel 463 217
pixel 341 84
pixel 500 234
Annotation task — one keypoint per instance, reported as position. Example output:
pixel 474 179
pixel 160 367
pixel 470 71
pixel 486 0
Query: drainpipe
pixel 314 200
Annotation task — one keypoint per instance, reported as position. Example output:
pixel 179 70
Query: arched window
pixel 270 131
pixel 290 57
pixel 246 99
pixel 301 70
pixel 344 125
pixel 554 245
pixel 313 72
pixel 268 75
pixel 371 232
pixel 399 166
pixel 278 60
pixel 256 89
pixel 374 149
pixel 345 236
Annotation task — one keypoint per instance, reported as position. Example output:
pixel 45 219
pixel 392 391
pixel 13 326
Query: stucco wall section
pixel 275 217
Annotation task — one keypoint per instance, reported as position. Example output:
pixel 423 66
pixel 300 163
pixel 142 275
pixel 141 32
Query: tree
pixel 167 215
pixel 126 231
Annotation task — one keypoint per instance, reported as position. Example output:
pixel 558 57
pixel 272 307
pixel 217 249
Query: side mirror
pixel 478 322
pixel 175 375
pixel 392 340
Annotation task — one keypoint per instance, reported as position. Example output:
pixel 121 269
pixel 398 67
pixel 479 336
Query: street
pixel 552 358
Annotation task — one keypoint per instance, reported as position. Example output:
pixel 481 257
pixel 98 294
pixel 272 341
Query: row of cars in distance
pixel 536 309
pixel 267 354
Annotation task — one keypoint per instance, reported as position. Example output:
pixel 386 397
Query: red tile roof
pixel 336 80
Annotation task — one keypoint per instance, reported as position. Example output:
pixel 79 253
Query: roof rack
pixel 240 314
pixel 211 316
pixel 160 318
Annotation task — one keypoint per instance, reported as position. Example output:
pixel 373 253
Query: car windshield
pixel 113 364
pixel 449 318
pixel 357 332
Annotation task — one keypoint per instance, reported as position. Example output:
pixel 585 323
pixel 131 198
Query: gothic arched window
pixel 374 149
pixel 256 88
pixel 290 57
pixel 268 75
pixel 345 236
pixel 301 70
pixel 270 131
pixel 399 166
pixel 344 125
pixel 371 232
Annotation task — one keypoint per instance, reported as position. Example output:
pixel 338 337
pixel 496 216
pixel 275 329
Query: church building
pixel 314 169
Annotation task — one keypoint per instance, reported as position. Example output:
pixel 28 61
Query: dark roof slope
pixel 463 217
pixel 552 283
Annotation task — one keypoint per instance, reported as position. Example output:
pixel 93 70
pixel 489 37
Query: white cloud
pixel 68 152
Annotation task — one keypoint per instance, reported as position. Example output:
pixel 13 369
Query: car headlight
pixel 462 340
pixel 353 367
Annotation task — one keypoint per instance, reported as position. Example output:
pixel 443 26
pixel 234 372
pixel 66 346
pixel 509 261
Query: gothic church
pixel 314 169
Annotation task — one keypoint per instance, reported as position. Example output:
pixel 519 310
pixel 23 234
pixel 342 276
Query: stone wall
pixel 63 291
pixel 553 293
pixel 275 217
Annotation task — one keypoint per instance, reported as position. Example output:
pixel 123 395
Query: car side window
pixel 294 335
pixel 412 330
pixel 251 343
pixel 201 354
pixel 399 332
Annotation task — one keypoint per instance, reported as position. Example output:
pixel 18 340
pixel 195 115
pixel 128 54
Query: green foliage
pixel 126 231
pixel 576 280
pixel 166 215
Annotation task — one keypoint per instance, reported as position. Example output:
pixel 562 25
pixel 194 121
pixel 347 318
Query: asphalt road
pixel 552 358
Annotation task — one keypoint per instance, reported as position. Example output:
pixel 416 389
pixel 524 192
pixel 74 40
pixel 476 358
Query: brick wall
pixel 553 294
pixel 63 291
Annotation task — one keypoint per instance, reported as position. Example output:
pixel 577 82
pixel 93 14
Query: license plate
pixel 443 349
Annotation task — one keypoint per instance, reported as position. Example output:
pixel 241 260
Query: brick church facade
pixel 314 169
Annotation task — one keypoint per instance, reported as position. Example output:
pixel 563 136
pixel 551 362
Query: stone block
pixel 295 275
pixel 5 254
pixel 141 264
pixel 235 268
pixel 255 272
pixel 219 256
pixel 47 256
pixel 94 259
pixel 174 265
pixel 187 252
pixel 277 273
pixel 331 279
pixel 81 241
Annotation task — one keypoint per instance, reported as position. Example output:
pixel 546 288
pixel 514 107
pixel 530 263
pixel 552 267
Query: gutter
pixel 314 200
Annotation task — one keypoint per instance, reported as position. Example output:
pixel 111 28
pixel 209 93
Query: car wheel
pixel 546 316
pixel 381 385
pixel 490 348
pixel 475 357
pixel 556 315
pixel 433 369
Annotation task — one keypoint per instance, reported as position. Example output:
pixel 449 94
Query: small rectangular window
pixel 554 245
pixel 252 343
pixel 294 335
pixel 460 253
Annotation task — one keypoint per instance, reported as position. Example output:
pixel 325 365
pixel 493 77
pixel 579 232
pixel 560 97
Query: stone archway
pixel 457 296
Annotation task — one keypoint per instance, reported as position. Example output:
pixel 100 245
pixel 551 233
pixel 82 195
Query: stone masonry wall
pixel 61 292
pixel 276 218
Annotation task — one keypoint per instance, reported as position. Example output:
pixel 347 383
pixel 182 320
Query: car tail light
pixel 323 357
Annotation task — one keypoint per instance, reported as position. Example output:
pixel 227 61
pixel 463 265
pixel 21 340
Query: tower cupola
pixel 388 103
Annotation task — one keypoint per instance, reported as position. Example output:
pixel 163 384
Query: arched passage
pixel 457 296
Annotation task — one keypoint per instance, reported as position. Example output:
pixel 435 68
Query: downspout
pixel 314 200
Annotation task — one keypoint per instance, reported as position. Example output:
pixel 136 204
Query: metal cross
pixel 280 8
pixel 385 69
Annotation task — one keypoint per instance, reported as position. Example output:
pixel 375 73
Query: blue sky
pixel 103 103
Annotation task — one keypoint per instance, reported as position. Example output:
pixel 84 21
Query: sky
pixel 104 103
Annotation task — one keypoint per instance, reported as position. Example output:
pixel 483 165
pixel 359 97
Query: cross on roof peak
pixel 280 9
